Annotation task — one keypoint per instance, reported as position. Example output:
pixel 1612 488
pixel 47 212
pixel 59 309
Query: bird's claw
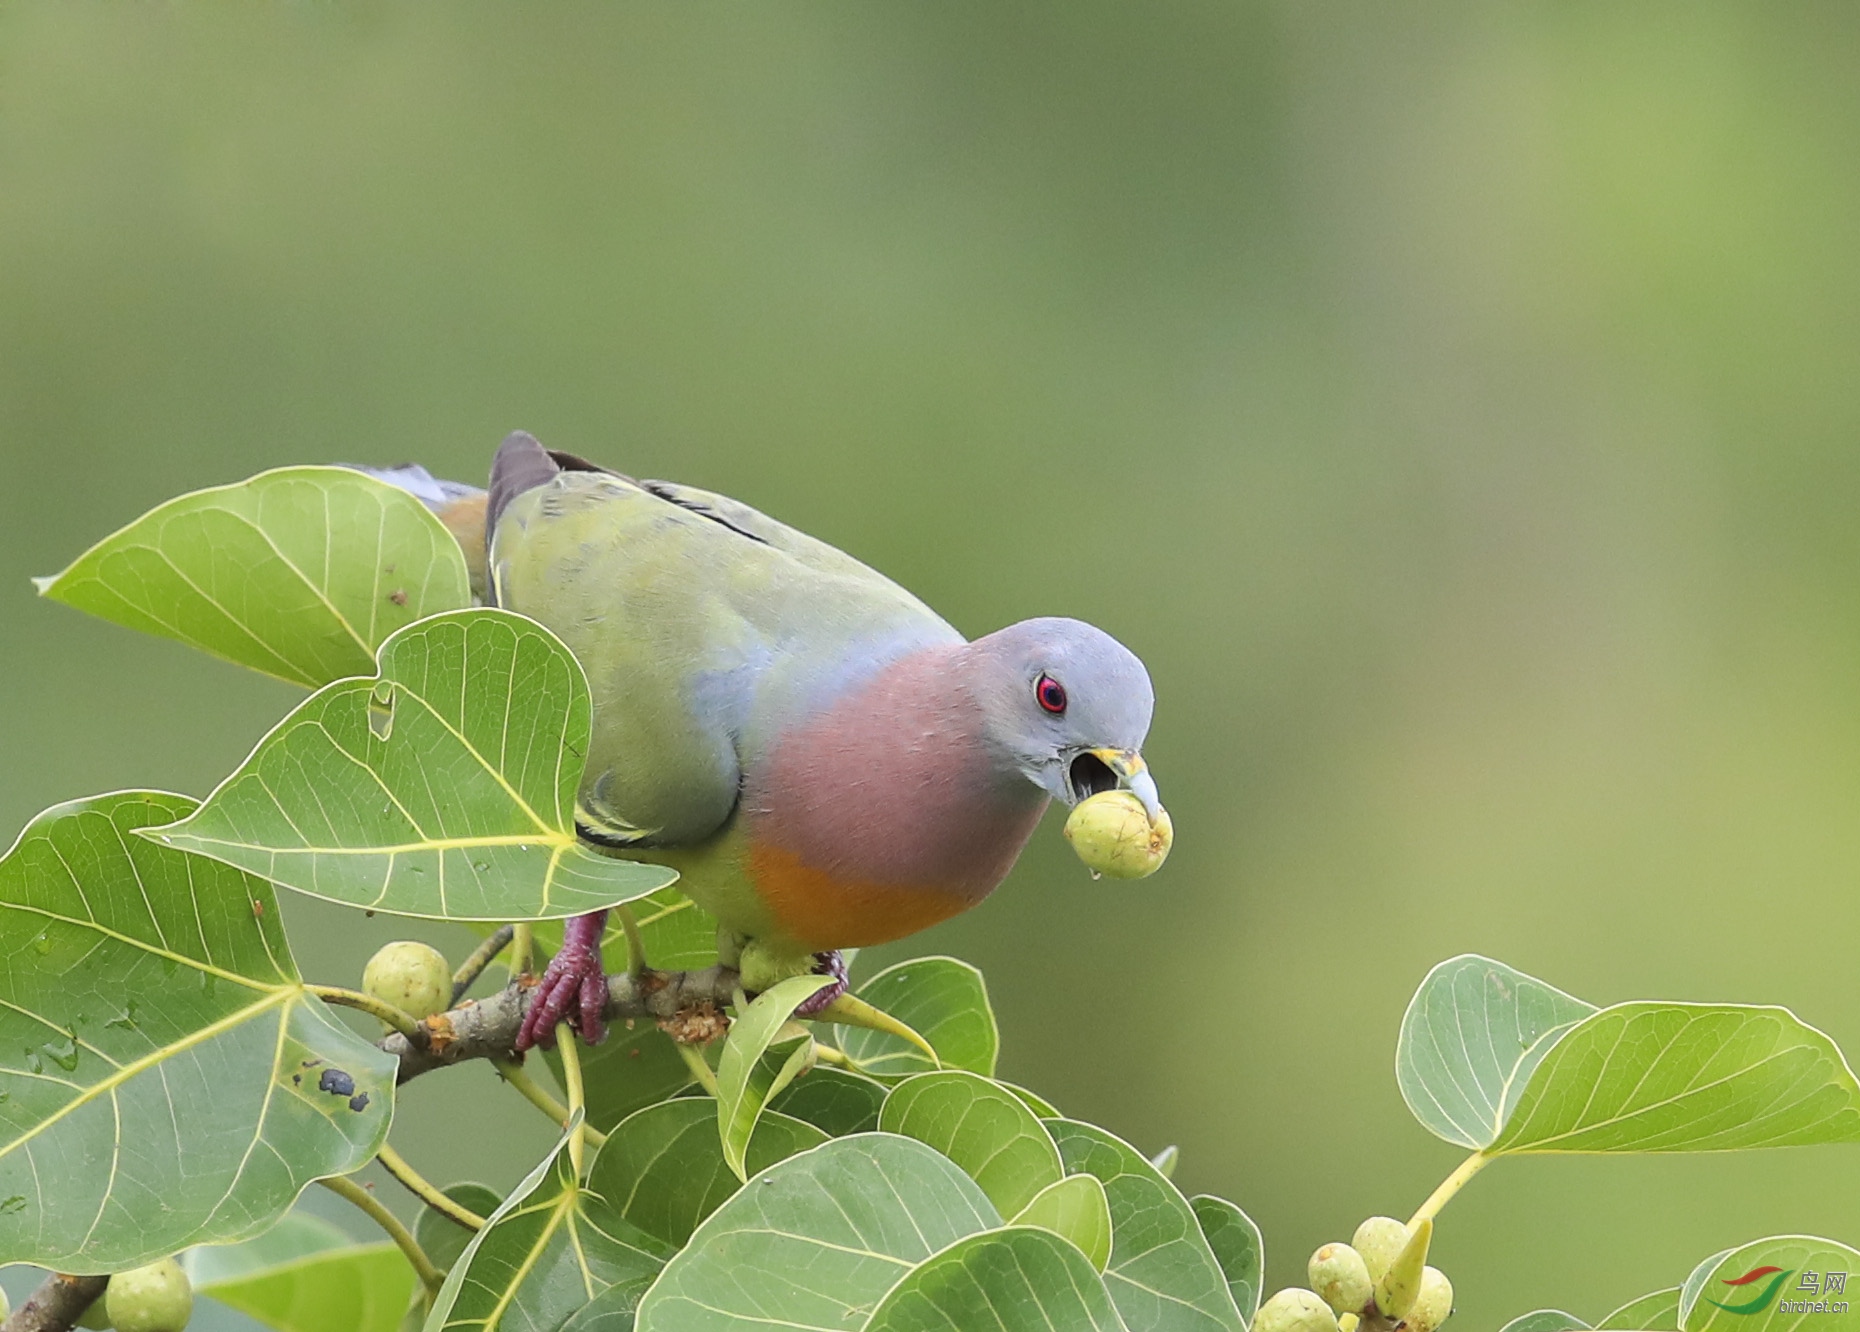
pixel 826 964
pixel 573 988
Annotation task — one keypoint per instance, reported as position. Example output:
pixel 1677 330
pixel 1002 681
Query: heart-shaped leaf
pixel 1162 1275
pixel 613 1310
pixel 300 573
pixel 834 1101
pixel 1773 1285
pixel 1469 1041
pixel 165 1079
pixel 1658 1312
pixel 549 1249
pixel 443 789
pixel 1654 1077
pixel 1076 1209
pixel 663 1167
pixel 1017 1279
pixel 983 1128
pixel 745 1079
pixel 942 999
pixel 815 1241
pixel 297 1235
pixel 1237 1246
pixel 1545 1320
pixel 357 1288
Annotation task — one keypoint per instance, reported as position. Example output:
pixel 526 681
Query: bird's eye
pixel 1051 693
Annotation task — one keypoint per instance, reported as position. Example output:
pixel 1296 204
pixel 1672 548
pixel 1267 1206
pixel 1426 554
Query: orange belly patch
pixel 819 911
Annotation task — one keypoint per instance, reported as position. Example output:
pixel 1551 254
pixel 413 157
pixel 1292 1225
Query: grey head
pixel 1067 707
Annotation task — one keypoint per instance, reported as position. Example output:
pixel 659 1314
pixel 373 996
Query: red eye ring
pixel 1051 693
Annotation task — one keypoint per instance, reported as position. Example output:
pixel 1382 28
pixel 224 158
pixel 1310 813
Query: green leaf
pixel 745 1080
pixel 445 1239
pixel 1018 1279
pixel 1546 1320
pixel 940 998
pixel 1035 1102
pixel 1076 1209
pixel 165 1079
pixel 444 789
pixel 1654 1077
pixel 1237 1246
pixel 550 1248
pixel 983 1128
pixel 815 1241
pixel 1163 1276
pixel 612 1310
pixel 663 1168
pixel 359 1288
pixel 1731 1290
pixel 833 1100
pixel 297 1235
pixel 1658 1312
pixel 1472 1034
pixel 300 573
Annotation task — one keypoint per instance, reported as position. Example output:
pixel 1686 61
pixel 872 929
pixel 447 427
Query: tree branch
pixel 688 1004
pixel 57 1304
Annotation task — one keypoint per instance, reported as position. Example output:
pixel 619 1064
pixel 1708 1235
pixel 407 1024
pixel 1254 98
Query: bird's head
pixel 1068 707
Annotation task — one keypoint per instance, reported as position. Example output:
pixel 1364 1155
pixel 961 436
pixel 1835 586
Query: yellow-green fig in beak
pixel 1114 834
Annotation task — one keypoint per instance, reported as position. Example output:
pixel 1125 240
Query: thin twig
pixel 57 1304
pixel 635 941
pixel 422 1188
pixel 523 956
pixel 473 967
pixel 577 1097
pixel 399 1019
pixel 700 1067
pixel 344 1187
pixel 533 1093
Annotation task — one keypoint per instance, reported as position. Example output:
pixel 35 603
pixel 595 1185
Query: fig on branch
pixel 156 1298
pixel 1295 1310
pixel 1399 1287
pixel 411 976
pixel 1339 1274
pixel 1433 1304
pixel 1378 1240
pixel 1112 834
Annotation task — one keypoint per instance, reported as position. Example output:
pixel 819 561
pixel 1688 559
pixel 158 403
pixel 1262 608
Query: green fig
pixel 1379 1239
pixel 1339 1274
pixel 1112 834
pixel 411 976
pixel 1433 1304
pixel 156 1298
pixel 1295 1310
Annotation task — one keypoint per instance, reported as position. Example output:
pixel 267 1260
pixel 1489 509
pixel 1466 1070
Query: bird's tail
pixel 459 506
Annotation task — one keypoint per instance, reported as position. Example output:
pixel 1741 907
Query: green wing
pixel 705 628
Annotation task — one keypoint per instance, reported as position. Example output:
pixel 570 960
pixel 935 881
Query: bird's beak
pixel 1129 769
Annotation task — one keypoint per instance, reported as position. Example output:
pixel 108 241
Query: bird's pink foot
pixel 826 964
pixel 573 987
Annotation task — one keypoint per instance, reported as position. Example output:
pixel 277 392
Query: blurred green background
pixel 1456 406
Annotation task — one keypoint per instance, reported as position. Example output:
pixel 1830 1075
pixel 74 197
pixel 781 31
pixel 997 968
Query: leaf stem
pixel 699 1066
pixel 473 967
pixel 513 1074
pixel 577 1098
pixel 397 1018
pixel 832 1054
pixel 635 941
pixel 422 1188
pixel 1449 1186
pixel 523 957
pixel 344 1187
